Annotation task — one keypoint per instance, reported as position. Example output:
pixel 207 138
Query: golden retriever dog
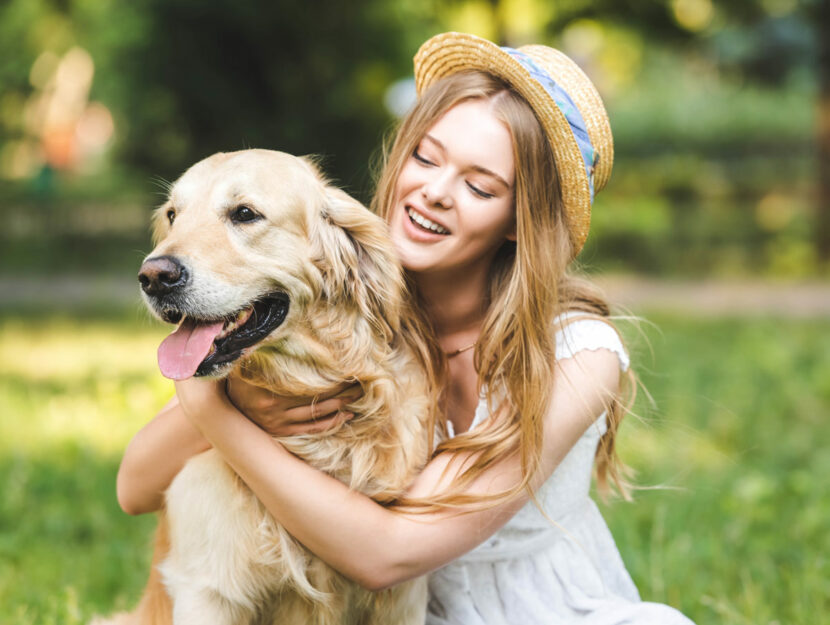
pixel 267 268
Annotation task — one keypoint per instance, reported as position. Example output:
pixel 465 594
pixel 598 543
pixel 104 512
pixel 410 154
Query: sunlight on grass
pixel 69 381
pixel 72 394
pixel 670 445
pixel 69 349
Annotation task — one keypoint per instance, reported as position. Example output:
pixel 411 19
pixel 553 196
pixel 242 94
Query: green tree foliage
pixel 715 80
pixel 297 76
pixel 186 78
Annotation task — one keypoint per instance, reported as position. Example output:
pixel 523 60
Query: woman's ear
pixel 511 234
pixel 355 255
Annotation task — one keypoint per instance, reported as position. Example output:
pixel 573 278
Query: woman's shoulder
pixel 576 331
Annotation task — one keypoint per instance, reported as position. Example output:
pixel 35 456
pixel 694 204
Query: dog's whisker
pixel 165 184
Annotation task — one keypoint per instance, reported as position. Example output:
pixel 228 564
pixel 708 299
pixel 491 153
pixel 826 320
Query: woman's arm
pixel 160 449
pixel 370 544
pixel 153 458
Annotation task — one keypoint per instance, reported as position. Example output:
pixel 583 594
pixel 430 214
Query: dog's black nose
pixel 160 275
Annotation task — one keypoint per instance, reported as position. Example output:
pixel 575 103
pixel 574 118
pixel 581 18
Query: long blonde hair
pixel 529 286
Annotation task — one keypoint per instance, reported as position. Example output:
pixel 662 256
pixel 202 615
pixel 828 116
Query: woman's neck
pixel 455 305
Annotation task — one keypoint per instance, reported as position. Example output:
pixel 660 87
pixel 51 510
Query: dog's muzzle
pixel 204 343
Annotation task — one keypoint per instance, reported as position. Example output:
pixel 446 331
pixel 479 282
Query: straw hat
pixel 562 96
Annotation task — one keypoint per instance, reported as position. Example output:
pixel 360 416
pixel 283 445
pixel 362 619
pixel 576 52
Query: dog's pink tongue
pixel 181 352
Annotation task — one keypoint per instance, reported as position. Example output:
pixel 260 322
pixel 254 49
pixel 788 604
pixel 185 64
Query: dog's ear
pixel 354 253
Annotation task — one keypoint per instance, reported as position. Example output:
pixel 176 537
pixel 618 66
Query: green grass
pixel 737 533
pixel 739 439
pixel 72 392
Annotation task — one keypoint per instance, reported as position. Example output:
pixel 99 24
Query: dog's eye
pixel 244 214
pixel 171 216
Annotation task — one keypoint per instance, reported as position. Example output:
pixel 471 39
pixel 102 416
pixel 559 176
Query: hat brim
pixel 450 53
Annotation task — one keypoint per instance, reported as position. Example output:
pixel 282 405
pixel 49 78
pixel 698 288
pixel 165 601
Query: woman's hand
pixel 288 416
pixel 199 396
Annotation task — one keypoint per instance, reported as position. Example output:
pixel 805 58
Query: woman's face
pixel 454 196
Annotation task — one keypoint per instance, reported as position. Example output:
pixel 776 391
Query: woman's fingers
pixel 316 426
pixel 285 416
pixel 317 410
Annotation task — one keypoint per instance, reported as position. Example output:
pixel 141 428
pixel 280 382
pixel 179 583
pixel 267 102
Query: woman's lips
pixel 420 231
pixel 425 222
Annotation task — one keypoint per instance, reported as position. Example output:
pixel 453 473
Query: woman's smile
pixel 454 196
pixel 426 224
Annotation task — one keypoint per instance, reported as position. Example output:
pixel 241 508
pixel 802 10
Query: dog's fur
pixel 220 558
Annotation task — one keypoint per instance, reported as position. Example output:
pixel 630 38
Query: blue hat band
pixel 566 105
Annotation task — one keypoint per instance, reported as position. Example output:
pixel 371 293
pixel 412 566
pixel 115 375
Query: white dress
pixel 532 572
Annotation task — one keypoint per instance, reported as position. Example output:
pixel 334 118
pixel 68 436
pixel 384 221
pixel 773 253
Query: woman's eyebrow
pixel 478 168
pixel 435 141
pixel 488 172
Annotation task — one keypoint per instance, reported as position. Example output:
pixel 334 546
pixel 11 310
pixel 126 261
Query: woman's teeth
pixel 426 223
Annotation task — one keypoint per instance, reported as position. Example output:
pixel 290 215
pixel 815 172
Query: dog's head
pixel 246 245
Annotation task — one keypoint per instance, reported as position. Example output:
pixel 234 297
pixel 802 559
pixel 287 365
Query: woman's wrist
pixel 202 399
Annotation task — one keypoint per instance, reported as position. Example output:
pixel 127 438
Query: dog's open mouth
pixel 202 346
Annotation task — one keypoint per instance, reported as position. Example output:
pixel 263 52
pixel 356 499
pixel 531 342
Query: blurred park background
pixel 715 227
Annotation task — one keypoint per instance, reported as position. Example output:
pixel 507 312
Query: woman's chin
pixel 413 261
pixel 413 255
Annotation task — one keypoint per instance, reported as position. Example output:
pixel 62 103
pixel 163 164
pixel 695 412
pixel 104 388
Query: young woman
pixel 487 191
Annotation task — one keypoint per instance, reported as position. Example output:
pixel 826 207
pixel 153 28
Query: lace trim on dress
pixel 588 333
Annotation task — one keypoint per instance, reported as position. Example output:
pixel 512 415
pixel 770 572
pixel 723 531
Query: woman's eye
pixel 244 214
pixel 421 159
pixel 171 216
pixel 482 194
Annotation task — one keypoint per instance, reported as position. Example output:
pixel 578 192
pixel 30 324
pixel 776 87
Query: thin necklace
pixel 461 349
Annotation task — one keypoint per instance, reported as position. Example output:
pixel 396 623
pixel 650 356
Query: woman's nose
pixel 436 193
